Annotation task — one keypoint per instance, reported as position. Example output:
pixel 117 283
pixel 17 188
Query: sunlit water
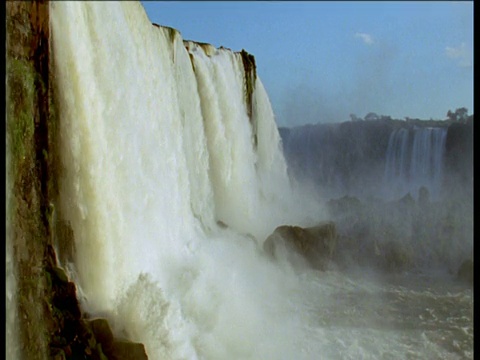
pixel 158 155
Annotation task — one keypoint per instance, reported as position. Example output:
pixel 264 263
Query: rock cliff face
pixel 28 144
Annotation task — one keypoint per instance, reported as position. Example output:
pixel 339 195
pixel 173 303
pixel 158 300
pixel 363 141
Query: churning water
pixel 171 188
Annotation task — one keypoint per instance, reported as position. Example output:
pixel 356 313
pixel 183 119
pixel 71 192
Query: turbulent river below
pixel 371 316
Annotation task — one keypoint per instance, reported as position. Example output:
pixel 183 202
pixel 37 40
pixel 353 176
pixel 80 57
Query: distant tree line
pixel 371 116
pixel 460 115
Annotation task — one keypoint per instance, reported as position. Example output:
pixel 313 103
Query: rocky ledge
pixel 315 245
pixel 75 336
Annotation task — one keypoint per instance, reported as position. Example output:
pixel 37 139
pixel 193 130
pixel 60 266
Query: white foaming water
pixel 157 147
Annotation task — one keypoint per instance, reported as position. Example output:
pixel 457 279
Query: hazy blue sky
pixel 321 61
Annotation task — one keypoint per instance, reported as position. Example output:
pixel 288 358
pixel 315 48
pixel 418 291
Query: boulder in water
pixel 465 272
pixel 113 348
pixel 127 350
pixel 408 201
pixel 315 244
pixel 395 257
pixel 101 329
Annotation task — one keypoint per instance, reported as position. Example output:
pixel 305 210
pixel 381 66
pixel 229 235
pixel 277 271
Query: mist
pixel 400 193
pixel 393 241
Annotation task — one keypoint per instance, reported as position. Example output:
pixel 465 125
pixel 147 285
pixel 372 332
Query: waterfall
pixel 414 159
pixel 157 149
pixel 396 162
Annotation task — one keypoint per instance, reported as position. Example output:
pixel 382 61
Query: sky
pixel 322 61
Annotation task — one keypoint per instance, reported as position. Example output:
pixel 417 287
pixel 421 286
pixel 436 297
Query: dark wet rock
pixel 98 354
pixel 27 115
pixel 109 347
pixel 407 201
pixel 77 337
pixel 395 257
pixel 221 224
pixel 59 274
pixel 64 241
pixel 102 331
pixel 57 354
pixel 127 350
pixel 315 244
pixel 249 80
pixel 465 272
pixel 65 299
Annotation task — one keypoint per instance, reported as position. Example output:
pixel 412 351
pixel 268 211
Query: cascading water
pixel 157 149
pixel 316 153
pixel 413 162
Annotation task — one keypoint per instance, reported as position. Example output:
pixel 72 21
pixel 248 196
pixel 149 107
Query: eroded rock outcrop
pixel 315 244
pixel 465 272
pixel 72 334
pixel 394 257
pixel 111 347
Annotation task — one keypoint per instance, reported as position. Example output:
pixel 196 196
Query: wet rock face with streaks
pixel 315 244
pixel 28 116
pixel 465 272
